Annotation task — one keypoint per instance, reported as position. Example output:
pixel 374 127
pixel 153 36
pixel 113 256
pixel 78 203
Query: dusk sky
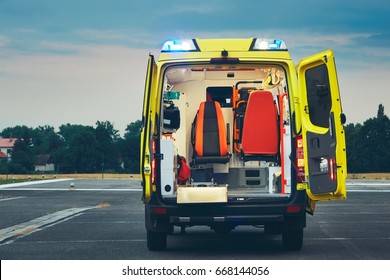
pixel 82 61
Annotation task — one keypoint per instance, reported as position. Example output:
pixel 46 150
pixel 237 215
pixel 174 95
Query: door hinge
pixel 147 169
pixel 307 109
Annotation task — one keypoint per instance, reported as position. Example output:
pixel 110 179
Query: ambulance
pixel 234 134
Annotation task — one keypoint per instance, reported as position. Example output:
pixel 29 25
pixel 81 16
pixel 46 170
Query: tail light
pixel 332 169
pixel 154 171
pixel 328 166
pixel 300 160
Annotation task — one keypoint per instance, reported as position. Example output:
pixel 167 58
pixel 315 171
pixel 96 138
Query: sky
pixel 82 61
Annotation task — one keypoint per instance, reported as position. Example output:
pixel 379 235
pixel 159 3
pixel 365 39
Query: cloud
pixel 200 7
pixel 4 41
pixel 86 55
pixel 94 83
pixel 130 37
pixel 362 91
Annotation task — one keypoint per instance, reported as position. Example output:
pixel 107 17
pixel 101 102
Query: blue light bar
pixel 185 45
pixel 268 45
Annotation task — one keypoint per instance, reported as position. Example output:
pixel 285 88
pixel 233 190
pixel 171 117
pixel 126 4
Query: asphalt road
pixel 104 220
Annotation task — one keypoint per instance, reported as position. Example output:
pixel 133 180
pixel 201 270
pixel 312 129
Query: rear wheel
pixel 292 240
pixel 156 241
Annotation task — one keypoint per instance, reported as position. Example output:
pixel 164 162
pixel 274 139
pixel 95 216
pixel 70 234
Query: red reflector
pixel 154 171
pixel 332 169
pixel 300 161
pixel 159 211
pixel 294 208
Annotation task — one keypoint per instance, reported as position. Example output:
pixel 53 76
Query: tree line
pixel 87 149
pixel 368 144
pixel 74 148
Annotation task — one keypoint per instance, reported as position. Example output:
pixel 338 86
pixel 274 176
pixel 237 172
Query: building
pixel 44 163
pixel 6 147
pixel 3 157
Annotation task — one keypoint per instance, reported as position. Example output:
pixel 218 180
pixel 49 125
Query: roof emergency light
pixel 184 45
pixel 268 45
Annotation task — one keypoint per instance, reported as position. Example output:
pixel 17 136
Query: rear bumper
pixel 231 220
pixel 162 218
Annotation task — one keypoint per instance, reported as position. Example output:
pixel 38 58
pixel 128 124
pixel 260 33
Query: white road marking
pixel 85 241
pixel 369 190
pixel 379 184
pixel 38 223
pixel 5 186
pixel 11 198
pixel 76 189
pixel 347 238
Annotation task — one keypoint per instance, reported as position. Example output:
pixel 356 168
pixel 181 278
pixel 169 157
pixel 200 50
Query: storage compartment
pixel 253 177
pixel 168 167
pixel 171 117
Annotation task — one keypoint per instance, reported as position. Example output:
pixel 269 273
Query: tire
pixel 292 240
pixel 156 241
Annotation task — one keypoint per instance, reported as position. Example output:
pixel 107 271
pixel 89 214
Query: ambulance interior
pixel 225 125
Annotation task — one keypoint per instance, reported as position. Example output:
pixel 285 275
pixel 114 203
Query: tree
pixel 21 132
pixel 130 146
pixel 106 137
pixel 75 148
pixel 84 152
pixel 22 160
pixel 107 129
pixel 45 139
pixel 368 145
pixel 381 112
pixel 352 134
pixel 80 152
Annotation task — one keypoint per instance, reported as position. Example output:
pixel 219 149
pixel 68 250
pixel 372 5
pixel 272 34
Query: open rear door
pixel 322 128
pixel 148 116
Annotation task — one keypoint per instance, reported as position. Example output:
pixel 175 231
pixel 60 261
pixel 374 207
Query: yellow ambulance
pixel 234 134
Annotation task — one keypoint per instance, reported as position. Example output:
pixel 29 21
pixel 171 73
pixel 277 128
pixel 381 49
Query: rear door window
pixel 318 95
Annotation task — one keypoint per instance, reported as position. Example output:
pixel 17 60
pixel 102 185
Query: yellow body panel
pixel 148 118
pixel 324 58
